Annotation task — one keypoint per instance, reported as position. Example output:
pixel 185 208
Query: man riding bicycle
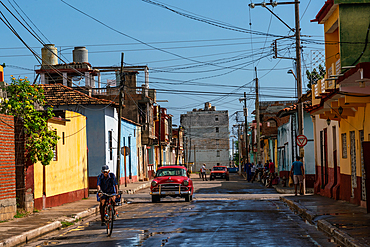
pixel 107 183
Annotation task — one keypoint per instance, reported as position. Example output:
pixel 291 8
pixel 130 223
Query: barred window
pixel 344 145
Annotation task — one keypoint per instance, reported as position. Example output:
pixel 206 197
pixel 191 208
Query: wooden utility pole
pixel 299 71
pixel 239 149
pixel 160 136
pixel 194 158
pixel 245 111
pixel 258 121
pixel 121 91
pixel 299 83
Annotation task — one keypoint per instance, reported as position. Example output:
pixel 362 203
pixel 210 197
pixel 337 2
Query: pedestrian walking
pixel 248 171
pixel 297 171
pixel 204 169
pixel 271 167
pixel 253 171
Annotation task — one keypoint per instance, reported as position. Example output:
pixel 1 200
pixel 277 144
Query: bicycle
pixel 109 211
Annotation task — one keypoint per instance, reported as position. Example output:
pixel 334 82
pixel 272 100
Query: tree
pixel 22 102
pixel 236 154
pixel 315 75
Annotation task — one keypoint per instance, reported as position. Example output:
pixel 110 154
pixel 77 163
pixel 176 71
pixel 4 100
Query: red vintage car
pixel 219 172
pixel 171 181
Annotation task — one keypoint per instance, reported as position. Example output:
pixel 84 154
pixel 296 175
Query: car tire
pixel 227 178
pixel 155 198
pixel 187 198
pixel 211 178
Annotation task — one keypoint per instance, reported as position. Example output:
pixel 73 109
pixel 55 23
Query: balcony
pixel 147 134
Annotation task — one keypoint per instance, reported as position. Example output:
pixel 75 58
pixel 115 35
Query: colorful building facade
pixel 65 179
pixel 341 101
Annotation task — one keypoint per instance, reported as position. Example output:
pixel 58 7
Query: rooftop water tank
pixel 80 55
pixel 49 54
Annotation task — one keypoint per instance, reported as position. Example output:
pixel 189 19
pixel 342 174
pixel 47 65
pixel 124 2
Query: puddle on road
pixel 142 237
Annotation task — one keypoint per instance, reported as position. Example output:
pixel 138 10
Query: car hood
pixel 170 179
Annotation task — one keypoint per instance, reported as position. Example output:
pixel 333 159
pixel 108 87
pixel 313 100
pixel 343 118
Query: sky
pixel 197 51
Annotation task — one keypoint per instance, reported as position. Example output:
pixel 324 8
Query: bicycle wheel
pixel 107 218
pixel 110 220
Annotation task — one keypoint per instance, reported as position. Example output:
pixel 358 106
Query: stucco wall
pixel 354 22
pixel 355 124
pixel 200 128
pixel 129 139
pixel 69 172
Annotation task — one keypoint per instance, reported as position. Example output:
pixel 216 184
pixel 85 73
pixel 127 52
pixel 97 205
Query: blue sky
pixel 191 62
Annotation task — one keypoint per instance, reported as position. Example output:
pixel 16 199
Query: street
pixel 231 213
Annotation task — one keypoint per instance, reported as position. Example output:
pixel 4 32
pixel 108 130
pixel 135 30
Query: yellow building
pixel 341 102
pixel 65 179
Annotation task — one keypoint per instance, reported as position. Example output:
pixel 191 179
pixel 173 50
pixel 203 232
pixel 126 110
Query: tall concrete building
pixel 206 137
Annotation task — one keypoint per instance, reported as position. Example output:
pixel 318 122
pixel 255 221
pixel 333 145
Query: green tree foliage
pixel 315 75
pixel 236 154
pixel 22 99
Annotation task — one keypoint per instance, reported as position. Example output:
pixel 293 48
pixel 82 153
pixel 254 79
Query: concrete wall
pixel 211 144
pixel 8 204
pixel 65 179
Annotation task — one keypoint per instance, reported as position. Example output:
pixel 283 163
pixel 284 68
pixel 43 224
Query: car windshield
pixel 171 172
pixel 219 168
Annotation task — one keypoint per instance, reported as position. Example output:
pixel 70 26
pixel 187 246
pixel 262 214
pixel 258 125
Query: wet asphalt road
pixel 229 213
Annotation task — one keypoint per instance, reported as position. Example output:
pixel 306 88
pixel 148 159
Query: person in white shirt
pixel 204 176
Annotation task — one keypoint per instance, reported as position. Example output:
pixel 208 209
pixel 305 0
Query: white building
pixel 206 137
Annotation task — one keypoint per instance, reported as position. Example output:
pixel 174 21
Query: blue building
pixel 102 130
pixel 288 149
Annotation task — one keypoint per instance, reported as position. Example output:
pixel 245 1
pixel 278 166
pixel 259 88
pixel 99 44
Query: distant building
pixel 206 136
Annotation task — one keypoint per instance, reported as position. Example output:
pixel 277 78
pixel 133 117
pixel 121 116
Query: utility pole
pixel 160 136
pixel 299 72
pixel 239 149
pixel 121 90
pixel 186 152
pixel 258 121
pixel 246 126
pixel 299 84
pixel 194 158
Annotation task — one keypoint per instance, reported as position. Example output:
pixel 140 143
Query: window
pixel 110 144
pixel 63 138
pixel 344 145
pixel 217 141
pixel 216 118
pixel 55 151
pixel 218 153
pixel 134 132
pixel 217 130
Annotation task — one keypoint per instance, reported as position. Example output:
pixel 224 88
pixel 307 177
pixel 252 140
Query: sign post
pixel 301 142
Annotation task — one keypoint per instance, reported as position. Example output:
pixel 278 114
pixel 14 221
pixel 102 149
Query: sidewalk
pixel 348 224
pixel 17 231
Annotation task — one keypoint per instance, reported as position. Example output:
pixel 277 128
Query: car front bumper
pixel 171 190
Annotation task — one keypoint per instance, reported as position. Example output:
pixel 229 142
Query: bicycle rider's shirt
pixel 107 184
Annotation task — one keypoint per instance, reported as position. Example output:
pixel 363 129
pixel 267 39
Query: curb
pixel 339 236
pixel 305 213
pixel 143 186
pixel 31 234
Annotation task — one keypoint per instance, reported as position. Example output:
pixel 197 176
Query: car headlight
pixel 186 182
pixel 154 183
